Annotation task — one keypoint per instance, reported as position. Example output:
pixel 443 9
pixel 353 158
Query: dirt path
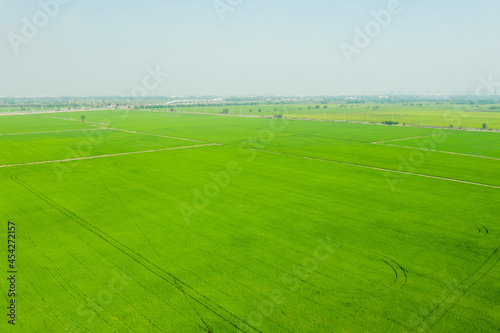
pixel 108 155
pixel 104 126
pixel 62 131
pixel 380 169
pixel 441 151
pixel 415 137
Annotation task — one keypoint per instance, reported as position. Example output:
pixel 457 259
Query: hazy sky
pixel 261 47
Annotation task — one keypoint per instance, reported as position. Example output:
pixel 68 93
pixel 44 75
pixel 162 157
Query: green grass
pixel 483 144
pixel 420 256
pixel 429 114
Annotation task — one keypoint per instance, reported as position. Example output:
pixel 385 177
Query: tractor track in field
pixel 76 294
pixel 377 168
pixel 482 230
pixel 159 257
pixel 400 275
pixel 221 312
pixel 467 284
pixel 204 249
pixel 396 267
pixel 52 317
pixel 143 286
pixel 399 272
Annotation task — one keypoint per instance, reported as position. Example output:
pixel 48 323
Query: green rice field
pixel 159 221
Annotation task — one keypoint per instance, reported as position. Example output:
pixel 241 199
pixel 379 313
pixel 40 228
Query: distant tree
pixel 309 107
pixel 250 110
pixel 317 106
pixel 485 126
pixel 83 118
pixel 278 116
pixel 225 111
pixel 260 110
pixel 325 106
pixel 275 109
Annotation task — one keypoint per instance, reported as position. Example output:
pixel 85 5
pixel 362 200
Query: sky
pixel 247 47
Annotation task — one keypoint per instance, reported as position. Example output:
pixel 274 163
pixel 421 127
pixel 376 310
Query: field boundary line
pixel 62 131
pixel 159 135
pixel 107 155
pixel 92 122
pixel 104 126
pixel 380 169
pixel 415 137
pixel 442 151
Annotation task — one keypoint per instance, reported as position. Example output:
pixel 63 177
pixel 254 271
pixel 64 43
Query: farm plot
pixel 261 233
